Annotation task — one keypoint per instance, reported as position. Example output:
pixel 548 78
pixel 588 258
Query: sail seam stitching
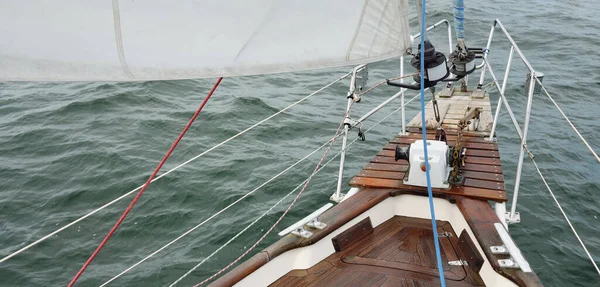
pixel 377 32
pixel 357 30
pixel 119 38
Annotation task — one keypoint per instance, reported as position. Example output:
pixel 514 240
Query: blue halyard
pixel 459 18
pixel 424 129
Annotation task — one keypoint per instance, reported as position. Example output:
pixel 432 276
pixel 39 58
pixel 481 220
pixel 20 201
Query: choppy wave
pixel 66 149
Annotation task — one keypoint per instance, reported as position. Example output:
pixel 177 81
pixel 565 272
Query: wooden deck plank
pixel 428 270
pixel 431 136
pixel 344 279
pixel 480 193
pixel 482 160
pixel 386 167
pixel 393 281
pixel 352 235
pixel 380 251
pixel 484 184
pixel 379 235
pixel 482 175
pixel 417 130
pixel 388 160
pixel 366 263
pixel 487 151
pixel 368 279
pixel 481 218
pixel 327 280
pixel 285 281
pixel 497 169
pixel 318 278
pixel 398 254
pixel 484 146
pixel 387 156
pixel 315 274
pixel 390 151
pixel 451 142
pixel 483 153
pixel 381 174
pixel 380 282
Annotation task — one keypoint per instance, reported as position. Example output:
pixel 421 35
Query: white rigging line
pixel 569 121
pixel 564 214
pixel 219 212
pixel 272 207
pixel 202 223
pixel 253 222
pixel 168 172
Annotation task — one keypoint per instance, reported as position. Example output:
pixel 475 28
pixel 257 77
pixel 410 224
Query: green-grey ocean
pixel 68 148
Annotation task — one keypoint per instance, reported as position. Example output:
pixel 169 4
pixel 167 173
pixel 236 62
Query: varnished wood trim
pixel 470 252
pixel 352 234
pixel 399 265
pixel 497 195
pixel 243 270
pixel 481 218
pixel 335 218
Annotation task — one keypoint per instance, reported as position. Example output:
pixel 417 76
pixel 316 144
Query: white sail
pixel 104 40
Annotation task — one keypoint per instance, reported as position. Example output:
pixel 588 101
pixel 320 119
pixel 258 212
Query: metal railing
pixel 338 196
pixel 412 39
pixel 513 216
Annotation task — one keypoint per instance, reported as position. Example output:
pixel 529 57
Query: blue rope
pixel 429 192
pixel 459 18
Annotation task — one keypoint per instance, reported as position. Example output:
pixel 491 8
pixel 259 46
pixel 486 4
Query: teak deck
pixel 481 176
pixel 399 252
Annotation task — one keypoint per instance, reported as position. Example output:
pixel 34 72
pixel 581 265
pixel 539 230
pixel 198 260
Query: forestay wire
pixel 546 183
pixel 568 120
pixel 337 132
pixel 564 214
pixel 272 207
pixel 217 213
pixel 44 238
pixel 264 214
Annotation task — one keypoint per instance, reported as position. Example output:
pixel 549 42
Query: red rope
pixel 139 194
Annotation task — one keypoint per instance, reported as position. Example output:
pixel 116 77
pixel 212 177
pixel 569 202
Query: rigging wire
pixel 564 214
pixel 337 132
pixel 217 213
pixel 268 181
pixel 569 121
pixel 253 222
pixel 272 207
pixel 168 172
pixel 426 156
pixel 135 199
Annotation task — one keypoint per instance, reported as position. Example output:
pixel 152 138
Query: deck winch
pixel 462 61
pixel 439 163
pixel 436 68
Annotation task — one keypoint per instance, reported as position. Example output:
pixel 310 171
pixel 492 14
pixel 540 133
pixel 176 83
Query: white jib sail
pixel 136 40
